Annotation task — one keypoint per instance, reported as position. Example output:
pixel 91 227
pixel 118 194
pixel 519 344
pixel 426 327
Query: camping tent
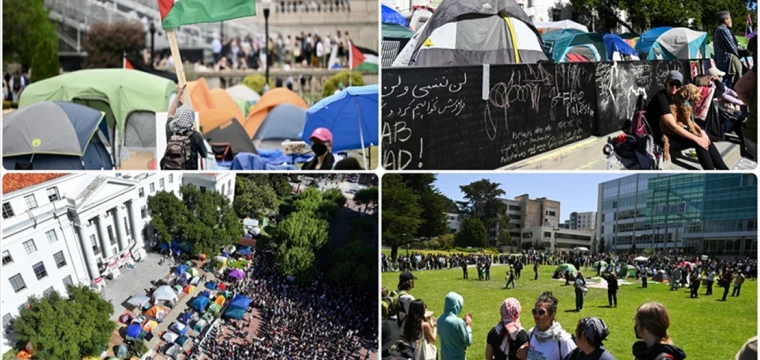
pixel 200 95
pixel 395 37
pixel 223 100
pixel 200 325
pixel 215 308
pixel 122 351
pixel 617 47
pixel 238 307
pixel 661 276
pixel 561 44
pixel 559 25
pixel 284 122
pixel 189 289
pixel 243 92
pixel 220 300
pixel 675 43
pixel 172 350
pixel 55 136
pixel 230 134
pixel 156 312
pixel 180 269
pixel 138 300
pixel 185 318
pixel 128 98
pixel 562 268
pixel 149 325
pixel 389 15
pixel 200 303
pixel 165 293
pixel 267 102
pixel 627 271
pixel 600 264
pixel 475 32
pixel 178 328
pixel 133 331
pixel 170 337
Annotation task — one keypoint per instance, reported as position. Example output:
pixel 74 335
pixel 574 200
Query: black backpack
pixel 17 83
pixel 177 152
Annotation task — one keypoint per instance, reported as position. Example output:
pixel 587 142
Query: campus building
pixel 454 221
pixel 555 238
pixel 585 221
pixel 701 214
pixel 525 213
pixel 74 229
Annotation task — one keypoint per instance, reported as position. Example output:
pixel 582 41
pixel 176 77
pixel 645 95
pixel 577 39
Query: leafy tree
pixel 366 197
pixel 601 246
pixel 280 184
pixel 355 261
pixel 214 223
pixel 66 328
pixel 334 82
pixel 431 202
pixel 107 43
pixel 25 28
pixel 449 205
pixel 138 349
pixel 45 62
pixel 295 239
pixel 169 215
pixel 336 196
pixel 446 241
pixel 504 237
pixel 473 233
pixel 483 202
pixel 309 201
pixel 256 83
pixel 401 213
pixel 253 198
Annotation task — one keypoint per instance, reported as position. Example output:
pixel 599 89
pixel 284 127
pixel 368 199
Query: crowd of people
pixel 299 321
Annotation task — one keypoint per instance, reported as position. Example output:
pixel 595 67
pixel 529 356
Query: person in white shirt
pixel 547 340
pixel 216 48
pixel 710 281
pixel 321 53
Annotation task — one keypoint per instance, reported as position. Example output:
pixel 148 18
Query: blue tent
pixel 563 43
pixel 283 122
pixel 351 115
pixel 133 331
pixel 244 251
pixel 238 307
pixel 185 318
pixel 679 43
pixel 391 16
pixel 182 268
pixel 55 135
pixel 647 39
pixel 211 285
pixel 615 43
pixel 206 293
pixel 200 303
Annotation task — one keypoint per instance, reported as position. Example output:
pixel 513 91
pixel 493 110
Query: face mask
pixel 636 331
pixel 319 149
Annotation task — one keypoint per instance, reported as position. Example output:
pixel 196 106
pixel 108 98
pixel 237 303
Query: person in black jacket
pixel 651 325
pixel 612 287
pixel 589 334
pixel 321 144
pixel 508 335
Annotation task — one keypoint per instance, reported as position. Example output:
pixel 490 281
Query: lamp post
pixel 152 29
pixel 266 5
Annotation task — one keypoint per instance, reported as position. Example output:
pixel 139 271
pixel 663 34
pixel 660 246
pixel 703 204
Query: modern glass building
pixel 702 214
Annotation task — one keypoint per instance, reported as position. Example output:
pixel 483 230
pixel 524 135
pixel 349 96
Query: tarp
pixel 244 93
pixel 475 32
pixel 562 268
pixel 266 103
pixel 560 43
pixel 180 269
pixel 238 307
pixel 200 303
pixel 389 15
pixel 133 331
pixel 615 44
pixel 122 91
pixel 178 328
pixel 165 293
pixel 351 115
pixel 66 132
pixel 244 251
pixel 559 25
pixel 233 133
pixel 678 43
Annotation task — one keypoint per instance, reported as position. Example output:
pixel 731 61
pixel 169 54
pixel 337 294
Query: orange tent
pixel 268 101
pixel 156 312
pixel 200 95
pixel 223 100
pixel 213 118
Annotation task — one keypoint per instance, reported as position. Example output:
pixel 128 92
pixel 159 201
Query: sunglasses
pixel 676 84
pixel 541 312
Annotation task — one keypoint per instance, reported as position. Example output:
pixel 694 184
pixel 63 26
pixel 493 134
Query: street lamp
pixel 152 29
pixel 266 4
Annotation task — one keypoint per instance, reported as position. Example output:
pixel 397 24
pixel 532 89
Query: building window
pixel 152 188
pixel 223 189
pixel 68 281
pixel 47 291
pixel 111 238
pixel 203 189
pixel 144 212
pixel 51 236
pixel 31 201
pixel 7 318
pixel 39 270
pixel 29 246
pixel 229 187
pixel 171 178
pixel 17 282
pixel 141 192
pixel 60 260
pixel 161 183
pixel 95 247
pixel 126 228
pixel 53 194
pixel 556 14
pixel 7 211
pixel 115 250
pixel 7 259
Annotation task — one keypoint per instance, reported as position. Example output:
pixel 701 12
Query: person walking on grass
pixel 725 282
pixel 535 269
pixel 463 262
pixel 580 284
pixel 612 287
pixel 694 284
pixel 710 281
pixel 738 284
pixel 510 278
pixel 488 269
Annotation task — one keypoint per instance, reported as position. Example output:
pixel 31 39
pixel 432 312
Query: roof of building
pixel 14 182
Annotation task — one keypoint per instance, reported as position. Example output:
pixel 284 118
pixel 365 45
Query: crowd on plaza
pixel 298 321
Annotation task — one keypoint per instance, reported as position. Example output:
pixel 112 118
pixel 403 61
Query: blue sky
pixel 575 192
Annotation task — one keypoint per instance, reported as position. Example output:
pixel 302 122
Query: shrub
pixel 333 83
pixel 107 43
pixel 238 264
pixel 45 62
pixel 256 83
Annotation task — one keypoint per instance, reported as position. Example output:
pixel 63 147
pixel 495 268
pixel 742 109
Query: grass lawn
pixel 705 327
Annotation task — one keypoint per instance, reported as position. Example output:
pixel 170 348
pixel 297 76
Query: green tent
pixel 602 264
pixel 571 267
pixel 215 308
pixel 396 31
pixel 124 95
pixel 627 271
pixel 243 105
pixel 562 45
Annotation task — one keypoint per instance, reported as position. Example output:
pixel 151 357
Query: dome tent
pixel 676 43
pixel 561 44
pixel 475 32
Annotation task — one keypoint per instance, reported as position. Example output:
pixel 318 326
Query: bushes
pixel 333 83
pixel 45 62
pixel 256 83
pixel 106 43
pixel 238 264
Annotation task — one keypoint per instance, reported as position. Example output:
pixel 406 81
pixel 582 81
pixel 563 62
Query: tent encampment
pixel 283 122
pixel 245 93
pixel 200 95
pixel 627 271
pixel 544 26
pixel 661 276
pixel 229 139
pixel 215 308
pixel 180 269
pixel 563 43
pixel 237 307
pixel 475 32
pixel 170 337
pixel 55 135
pixel 149 325
pixel 200 303
pixel 156 312
pixel 266 103
pixel 200 325
pixel 564 267
pixel 618 49
pixel 178 328
pixel 133 331
pixel 223 100
pixel 165 293
pixel 673 43
pixel 138 300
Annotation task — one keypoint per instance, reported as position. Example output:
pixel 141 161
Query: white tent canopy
pixel 138 300
pixel 558 25
pixel 243 92
pixel 165 293
pixel 581 248
pixel 170 337
pixel 641 258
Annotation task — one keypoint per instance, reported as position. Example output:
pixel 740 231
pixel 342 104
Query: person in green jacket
pixel 455 333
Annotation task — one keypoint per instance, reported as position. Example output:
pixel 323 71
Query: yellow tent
pixel 189 289
pixel 149 325
pixel 220 300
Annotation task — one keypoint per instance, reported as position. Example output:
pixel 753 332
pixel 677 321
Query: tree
pixel 169 215
pixel 106 44
pixel 366 197
pixel 601 246
pixel 430 200
pixel 446 241
pixel 25 28
pixel 504 238
pixel 280 184
pixel 45 62
pixel 482 197
pixel 335 196
pixel 213 223
pixel 401 213
pixel 66 328
pixel 256 83
pixel 449 205
pixel 334 83
pixel 138 349
pixel 472 234
pixel 253 198
pixel 295 239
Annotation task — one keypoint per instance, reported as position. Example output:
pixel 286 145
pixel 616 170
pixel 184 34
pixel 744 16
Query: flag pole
pixel 350 60
pixel 179 69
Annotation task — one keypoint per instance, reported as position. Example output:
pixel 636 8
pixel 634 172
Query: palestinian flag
pixel 362 59
pixel 133 64
pixel 175 13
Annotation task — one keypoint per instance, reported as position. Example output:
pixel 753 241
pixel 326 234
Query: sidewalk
pixel 587 155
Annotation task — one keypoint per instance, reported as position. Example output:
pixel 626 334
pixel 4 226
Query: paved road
pixel 134 281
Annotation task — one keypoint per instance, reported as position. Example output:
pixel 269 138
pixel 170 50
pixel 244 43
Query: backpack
pixel 177 152
pixel 636 127
pixel 390 304
pixel 664 356
pixel 17 83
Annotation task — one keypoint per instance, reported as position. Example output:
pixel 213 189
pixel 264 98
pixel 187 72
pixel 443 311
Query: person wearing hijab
pixel 321 144
pixel 547 340
pixel 589 334
pixel 508 335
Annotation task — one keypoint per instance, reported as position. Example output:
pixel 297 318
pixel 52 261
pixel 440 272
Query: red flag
pixel 128 64
pixel 357 57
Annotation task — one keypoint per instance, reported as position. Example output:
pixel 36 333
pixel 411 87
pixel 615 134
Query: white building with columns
pixel 61 229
